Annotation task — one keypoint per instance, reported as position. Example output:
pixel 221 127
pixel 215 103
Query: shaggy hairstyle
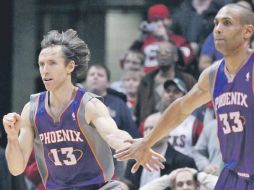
pixel 73 48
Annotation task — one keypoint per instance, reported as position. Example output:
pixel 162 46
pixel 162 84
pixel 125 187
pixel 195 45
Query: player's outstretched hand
pixel 143 155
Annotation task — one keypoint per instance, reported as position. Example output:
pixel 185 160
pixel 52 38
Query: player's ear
pixel 70 66
pixel 248 31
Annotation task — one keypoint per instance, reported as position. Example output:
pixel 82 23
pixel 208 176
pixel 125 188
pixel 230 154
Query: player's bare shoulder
pixel 94 108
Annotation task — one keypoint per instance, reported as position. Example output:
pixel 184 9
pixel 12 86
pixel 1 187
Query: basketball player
pixel 230 85
pixel 69 127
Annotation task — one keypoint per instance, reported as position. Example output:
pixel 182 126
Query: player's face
pixel 132 62
pixel 53 69
pixel 96 80
pixel 184 181
pixel 228 31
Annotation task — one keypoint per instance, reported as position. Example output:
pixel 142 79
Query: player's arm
pixel 98 115
pixel 170 119
pixel 20 137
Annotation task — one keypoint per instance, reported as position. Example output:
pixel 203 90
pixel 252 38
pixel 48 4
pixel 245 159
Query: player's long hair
pixel 73 48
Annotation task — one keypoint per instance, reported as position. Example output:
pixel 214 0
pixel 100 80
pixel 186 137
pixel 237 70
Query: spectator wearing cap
pixel 180 138
pixel 151 86
pixel 158 29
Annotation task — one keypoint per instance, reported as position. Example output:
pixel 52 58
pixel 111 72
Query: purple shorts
pixel 230 180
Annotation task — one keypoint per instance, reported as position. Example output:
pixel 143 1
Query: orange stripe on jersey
pixel 45 165
pixel 252 80
pixel 37 105
pixel 90 145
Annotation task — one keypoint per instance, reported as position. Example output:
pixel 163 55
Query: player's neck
pixel 62 96
pixel 235 61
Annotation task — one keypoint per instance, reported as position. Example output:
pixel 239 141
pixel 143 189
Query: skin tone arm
pixel 97 114
pixel 171 118
pixel 20 137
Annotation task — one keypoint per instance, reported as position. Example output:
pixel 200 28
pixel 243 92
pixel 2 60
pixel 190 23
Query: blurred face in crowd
pixel 132 62
pixel 160 28
pixel 167 54
pixel 184 181
pixel 171 93
pixel 97 80
pixel 131 80
pixel 167 22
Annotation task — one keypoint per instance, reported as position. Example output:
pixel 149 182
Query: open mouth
pixel 219 39
pixel 47 79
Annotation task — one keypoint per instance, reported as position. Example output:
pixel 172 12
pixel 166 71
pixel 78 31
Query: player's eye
pixel 226 22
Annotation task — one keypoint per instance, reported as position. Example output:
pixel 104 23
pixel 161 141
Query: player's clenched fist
pixel 11 123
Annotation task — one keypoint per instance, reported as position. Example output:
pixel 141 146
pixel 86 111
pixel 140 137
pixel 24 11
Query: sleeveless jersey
pixel 234 105
pixel 70 154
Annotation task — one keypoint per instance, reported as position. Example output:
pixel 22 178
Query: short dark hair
pixel 104 67
pixel 73 48
pixel 246 15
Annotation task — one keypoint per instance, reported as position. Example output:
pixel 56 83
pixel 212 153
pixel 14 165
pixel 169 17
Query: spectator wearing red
pixel 158 29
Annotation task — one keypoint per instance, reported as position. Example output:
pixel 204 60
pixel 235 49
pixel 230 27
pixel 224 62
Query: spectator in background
pixel 174 159
pixel 194 20
pixel 208 53
pixel 181 138
pixel 151 86
pixel 127 185
pixel 33 175
pixel 158 29
pixel 97 81
pixel 206 152
pixel 183 179
pixel 133 60
pixel 131 80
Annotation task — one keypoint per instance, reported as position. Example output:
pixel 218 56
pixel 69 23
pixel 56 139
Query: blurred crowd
pixel 161 65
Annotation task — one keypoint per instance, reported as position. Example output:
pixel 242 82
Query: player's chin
pixel 48 87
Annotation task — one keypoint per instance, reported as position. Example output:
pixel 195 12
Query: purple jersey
pixel 234 106
pixel 70 153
